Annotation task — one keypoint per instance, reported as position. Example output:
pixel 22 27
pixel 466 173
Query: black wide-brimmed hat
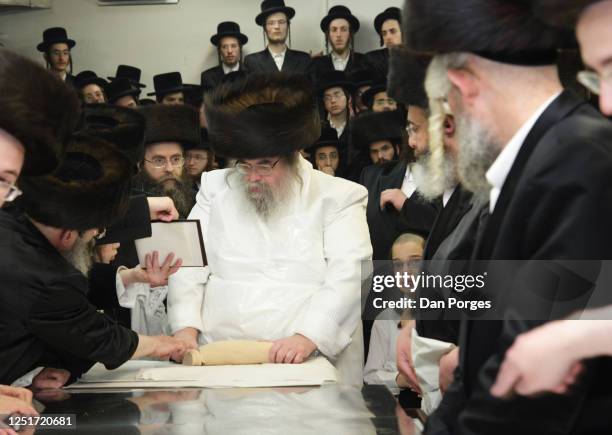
pixel 379 85
pixel 340 12
pixel 500 30
pixel 406 79
pixel 131 73
pixel 90 188
pixel 361 77
pixel 370 127
pixel 180 123
pixel 119 126
pixel 120 88
pixel 269 7
pixel 228 28
pixel 262 115
pixel 168 83
pixel 88 77
pixel 38 109
pixel 331 79
pixel 392 13
pixel 328 138
pixel 54 35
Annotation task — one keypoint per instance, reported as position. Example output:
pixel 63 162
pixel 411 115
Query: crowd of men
pixel 457 143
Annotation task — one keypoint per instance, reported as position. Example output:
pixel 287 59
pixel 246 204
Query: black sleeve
pixel 102 286
pixel 136 224
pixel 417 216
pixel 71 327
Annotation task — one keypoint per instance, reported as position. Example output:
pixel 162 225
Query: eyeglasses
pixel 12 191
pixel 101 234
pixel 383 101
pixel 161 162
pixel 412 128
pixel 334 96
pixel 263 169
pixel 592 80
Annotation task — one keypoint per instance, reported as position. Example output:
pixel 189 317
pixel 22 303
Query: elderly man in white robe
pixel 287 245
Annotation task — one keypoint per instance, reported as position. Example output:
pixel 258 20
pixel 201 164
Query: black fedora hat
pixel 120 88
pixel 328 138
pixel 340 12
pixel 269 7
pixel 168 83
pixel 368 96
pixel 333 79
pixel 228 28
pixel 88 77
pixel 54 35
pixel 361 77
pixel 392 13
pixel 128 72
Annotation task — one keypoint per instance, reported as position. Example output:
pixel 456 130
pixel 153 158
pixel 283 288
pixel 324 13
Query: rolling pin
pixel 234 352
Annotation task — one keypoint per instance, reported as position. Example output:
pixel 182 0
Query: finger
pixel 168 261
pixel 175 267
pixel 155 260
pixel 272 352
pixel 148 262
pixel 299 359
pixel 280 355
pixel 290 356
pixel 507 378
pixel 7 431
pixel 26 409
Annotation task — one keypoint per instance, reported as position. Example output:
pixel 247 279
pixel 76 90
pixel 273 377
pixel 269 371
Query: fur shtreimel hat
pixel 262 116
pixel 171 124
pixel 500 30
pixel 90 188
pixel 406 79
pixel 370 127
pixel 120 126
pixel 38 109
pixel 562 13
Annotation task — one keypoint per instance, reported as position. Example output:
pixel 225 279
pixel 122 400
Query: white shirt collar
pixel 499 170
pixel 227 69
pixel 278 58
pixel 340 63
pixel 281 54
pixel 447 195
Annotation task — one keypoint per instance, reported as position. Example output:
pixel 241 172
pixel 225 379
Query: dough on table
pixel 234 352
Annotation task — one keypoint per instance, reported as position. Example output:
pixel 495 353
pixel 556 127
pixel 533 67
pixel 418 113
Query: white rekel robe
pixel 297 273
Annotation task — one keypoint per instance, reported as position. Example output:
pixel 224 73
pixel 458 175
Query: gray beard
pixel 81 256
pixel 269 202
pixel 432 181
pixel 477 152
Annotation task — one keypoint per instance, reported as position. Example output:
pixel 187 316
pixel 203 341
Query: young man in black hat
pixel 524 146
pixel 377 99
pixel 122 93
pixel 199 159
pixel 388 25
pixel 56 47
pixel 339 27
pixel 46 319
pixel 90 87
pixel 229 42
pixel 169 89
pixel 275 18
pixel 285 242
pixel 325 154
pixel 362 80
pixel 131 73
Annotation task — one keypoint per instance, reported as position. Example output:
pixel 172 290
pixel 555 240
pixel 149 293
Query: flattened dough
pixel 235 352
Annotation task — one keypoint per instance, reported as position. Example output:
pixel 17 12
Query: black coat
pixel 45 317
pixel 379 62
pixel 211 78
pixel 556 203
pixel 262 62
pixel 323 64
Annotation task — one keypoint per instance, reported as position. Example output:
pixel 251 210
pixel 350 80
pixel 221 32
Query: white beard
pixel 81 256
pixel 432 180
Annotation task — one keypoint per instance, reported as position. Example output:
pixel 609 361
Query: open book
pixel 182 237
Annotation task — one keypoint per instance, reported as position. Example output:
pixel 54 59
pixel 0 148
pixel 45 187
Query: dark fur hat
pixel 120 126
pixel 262 116
pixel 38 109
pixel 501 30
pixel 406 79
pixel 171 124
pixel 562 13
pixel 90 188
pixel 369 127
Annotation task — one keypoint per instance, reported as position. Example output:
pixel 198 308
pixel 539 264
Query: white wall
pixel 163 38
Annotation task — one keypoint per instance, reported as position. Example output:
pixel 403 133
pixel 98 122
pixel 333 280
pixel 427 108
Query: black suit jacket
pixel 323 64
pixel 45 318
pixel 262 62
pixel 379 61
pixel 556 204
pixel 212 77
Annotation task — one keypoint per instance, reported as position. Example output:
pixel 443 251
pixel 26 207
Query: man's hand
pixel 155 274
pixel 189 337
pixel 50 378
pixel 404 357
pixel 158 346
pixel 162 208
pixel 448 364
pixel 18 393
pixel 12 405
pixel 291 350
pixel 394 196
pixel 539 361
